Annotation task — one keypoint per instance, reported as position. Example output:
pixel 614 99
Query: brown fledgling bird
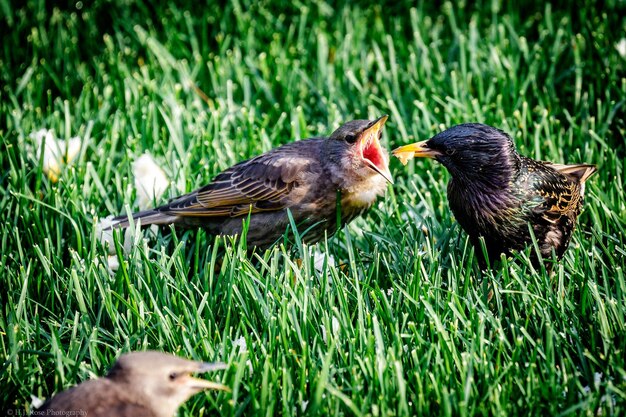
pixel 140 384
pixel 306 177
pixel 496 193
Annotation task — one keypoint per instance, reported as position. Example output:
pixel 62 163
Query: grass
pixel 400 324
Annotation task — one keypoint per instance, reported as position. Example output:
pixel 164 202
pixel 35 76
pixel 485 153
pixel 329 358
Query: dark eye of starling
pixel 173 376
pixel 350 138
pixel 450 151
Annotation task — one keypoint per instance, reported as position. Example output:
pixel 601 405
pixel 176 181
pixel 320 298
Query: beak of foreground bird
pixel 202 384
pixel 371 151
pixel 419 149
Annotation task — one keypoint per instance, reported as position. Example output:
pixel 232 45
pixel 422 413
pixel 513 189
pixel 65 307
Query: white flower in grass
pixel 56 152
pixel 336 325
pixel 621 48
pixel 113 262
pixel 319 258
pixel 150 181
pixel 35 402
pixel 104 233
pixel 597 378
pixel 240 343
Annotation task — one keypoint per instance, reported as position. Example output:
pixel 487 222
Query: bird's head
pixel 471 152
pixel 356 146
pixel 165 380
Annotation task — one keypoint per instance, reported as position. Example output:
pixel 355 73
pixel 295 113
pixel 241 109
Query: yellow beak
pixel 378 124
pixel 419 149
pixel 202 384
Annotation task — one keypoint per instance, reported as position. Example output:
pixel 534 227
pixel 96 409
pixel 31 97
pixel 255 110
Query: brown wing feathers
pixel 260 184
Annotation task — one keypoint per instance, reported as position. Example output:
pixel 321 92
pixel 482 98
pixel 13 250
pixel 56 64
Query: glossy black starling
pixel 305 177
pixel 496 193
pixel 140 384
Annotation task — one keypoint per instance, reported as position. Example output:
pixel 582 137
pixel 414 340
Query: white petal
pixel 241 343
pixel 621 48
pixel 56 152
pixel 150 181
pixel 319 258
pixel 104 233
pixel 72 148
pixel 113 262
pixel 35 402
pixel 336 325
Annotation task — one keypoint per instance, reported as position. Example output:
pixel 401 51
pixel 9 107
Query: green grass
pixel 404 326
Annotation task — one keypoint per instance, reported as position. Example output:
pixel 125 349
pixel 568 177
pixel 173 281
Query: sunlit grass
pixel 392 316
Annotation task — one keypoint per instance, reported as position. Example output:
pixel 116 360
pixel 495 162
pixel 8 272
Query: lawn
pixel 391 316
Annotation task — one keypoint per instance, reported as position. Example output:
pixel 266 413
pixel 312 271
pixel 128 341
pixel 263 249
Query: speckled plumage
pixel 304 177
pixel 496 193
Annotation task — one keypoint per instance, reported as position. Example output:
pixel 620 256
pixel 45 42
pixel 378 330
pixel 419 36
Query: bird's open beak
pixel 371 150
pixel 202 384
pixel 420 149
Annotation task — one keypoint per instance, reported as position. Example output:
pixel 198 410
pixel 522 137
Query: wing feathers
pixel 260 184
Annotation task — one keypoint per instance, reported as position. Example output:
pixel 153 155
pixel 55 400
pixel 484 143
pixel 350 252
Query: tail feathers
pixel 145 218
pixel 579 172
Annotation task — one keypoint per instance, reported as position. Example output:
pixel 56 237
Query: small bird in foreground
pixel 140 384
pixel 305 177
pixel 496 193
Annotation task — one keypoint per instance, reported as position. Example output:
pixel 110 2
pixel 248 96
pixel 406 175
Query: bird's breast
pixel 483 211
pixel 365 193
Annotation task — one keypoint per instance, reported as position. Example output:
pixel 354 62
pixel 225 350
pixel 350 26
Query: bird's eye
pixel 350 138
pixel 450 152
pixel 173 376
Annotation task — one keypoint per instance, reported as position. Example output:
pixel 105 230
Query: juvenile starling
pixel 496 193
pixel 305 177
pixel 140 384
